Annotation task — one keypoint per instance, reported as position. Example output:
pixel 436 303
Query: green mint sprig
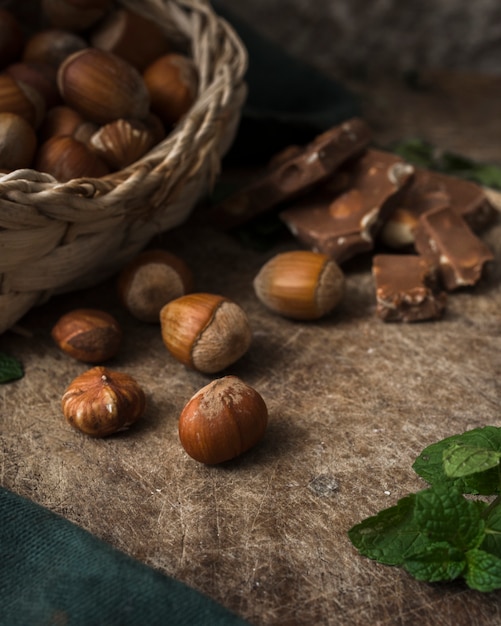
pixel 438 534
pixel 10 368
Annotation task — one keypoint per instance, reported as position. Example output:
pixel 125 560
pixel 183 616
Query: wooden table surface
pixel 352 402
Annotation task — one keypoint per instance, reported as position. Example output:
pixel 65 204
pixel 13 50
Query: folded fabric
pixel 52 573
pixel 289 101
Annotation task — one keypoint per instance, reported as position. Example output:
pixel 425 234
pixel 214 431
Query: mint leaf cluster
pixel 438 534
pixel 10 368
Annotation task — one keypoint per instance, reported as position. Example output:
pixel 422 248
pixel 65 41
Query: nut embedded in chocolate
pixel 346 225
pixel 407 288
pixel 444 237
pixel 433 190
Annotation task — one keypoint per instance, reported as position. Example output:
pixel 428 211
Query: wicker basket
pixel 57 237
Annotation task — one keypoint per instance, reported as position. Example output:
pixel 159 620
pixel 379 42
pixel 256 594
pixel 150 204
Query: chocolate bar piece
pixel 444 237
pixel 347 225
pixel 433 190
pixel 407 288
pixel 294 173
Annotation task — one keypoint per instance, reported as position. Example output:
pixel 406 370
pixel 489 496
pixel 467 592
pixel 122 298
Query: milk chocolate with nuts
pixel 407 288
pixel 433 190
pixel 346 225
pixel 294 173
pixel 444 237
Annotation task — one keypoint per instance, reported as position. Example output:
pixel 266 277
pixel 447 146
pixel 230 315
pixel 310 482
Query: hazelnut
pixel 121 142
pixel 224 419
pixel 172 82
pixel 100 402
pixel 65 158
pixel 52 46
pixel 205 331
pixel 60 120
pixel 150 281
pixel 18 142
pixel 11 38
pixel 88 335
pixel 39 76
pixel 102 87
pixel 70 16
pixel 136 39
pixel 301 284
pixel 20 98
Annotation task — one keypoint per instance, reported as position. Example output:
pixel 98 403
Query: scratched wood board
pixel 352 402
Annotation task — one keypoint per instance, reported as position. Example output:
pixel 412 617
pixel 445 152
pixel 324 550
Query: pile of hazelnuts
pixel 205 332
pixel 89 92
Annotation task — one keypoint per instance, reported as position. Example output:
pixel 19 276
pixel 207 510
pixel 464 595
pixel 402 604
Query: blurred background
pixel 354 37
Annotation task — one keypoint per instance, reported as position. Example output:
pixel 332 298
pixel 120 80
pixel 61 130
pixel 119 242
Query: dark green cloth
pixel 54 573
pixel 289 101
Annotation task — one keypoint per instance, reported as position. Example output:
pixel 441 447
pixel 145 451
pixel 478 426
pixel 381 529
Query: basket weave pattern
pixel 56 237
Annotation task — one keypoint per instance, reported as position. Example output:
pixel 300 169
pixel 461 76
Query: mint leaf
pixel 430 463
pixel 10 368
pixel 438 561
pixel 463 460
pixel 492 539
pixel 387 536
pixel 443 514
pixel 484 571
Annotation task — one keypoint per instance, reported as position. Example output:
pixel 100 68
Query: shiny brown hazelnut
pixel 52 46
pixel 102 87
pixel 101 402
pixel 151 280
pixel 11 38
pixel 88 335
pixel 69 16
pixel 39 76
pixel 17 97
pixel 222 420
pixel 60 120
pixel 136 39
pixel 206 332
pixel 121 142
pixel 301 284
pixel 18 142
pixel 65 158
pixel 172 82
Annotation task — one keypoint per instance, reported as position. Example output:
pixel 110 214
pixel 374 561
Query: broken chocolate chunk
pixel 433 190
pixel 444 237
pixel 294 173
pixel 347 224
pixel 407 288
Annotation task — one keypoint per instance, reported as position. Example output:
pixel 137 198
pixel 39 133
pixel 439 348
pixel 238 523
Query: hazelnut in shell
pixel 18 142
pixel 70 16
pixel 101 402
pixel 52 46
pixel 11 38
pixel 172 82
pixel 204 331
pixel 136 39
pixel 88 335
pixel 222 420
pixel 301 284
pixel 65 158
pixel 151 280
pixel 121 142
pixel 18 97
pixel 59 120
pixel 102 87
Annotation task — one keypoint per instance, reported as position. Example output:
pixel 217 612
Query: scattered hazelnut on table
pixel 88 335
pixel 101 402
pixel 151 280
pixel 206 332
pixel 222 420
pixel 301 284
